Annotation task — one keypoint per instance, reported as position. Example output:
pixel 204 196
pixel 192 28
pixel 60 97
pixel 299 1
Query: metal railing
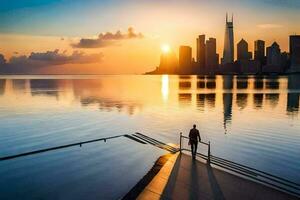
pixel 201 142
pixel 265 178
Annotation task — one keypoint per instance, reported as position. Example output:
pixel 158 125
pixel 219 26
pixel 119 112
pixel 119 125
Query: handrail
pixel 57 147
pixel 186 137
pixel 208 144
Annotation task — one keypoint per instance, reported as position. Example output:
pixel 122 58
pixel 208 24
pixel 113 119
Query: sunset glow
pixel 165 48
pixel 98 30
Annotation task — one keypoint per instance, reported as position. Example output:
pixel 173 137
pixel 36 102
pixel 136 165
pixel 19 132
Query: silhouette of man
pixel 194 136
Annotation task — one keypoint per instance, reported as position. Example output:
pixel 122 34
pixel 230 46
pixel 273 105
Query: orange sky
pixel 173 23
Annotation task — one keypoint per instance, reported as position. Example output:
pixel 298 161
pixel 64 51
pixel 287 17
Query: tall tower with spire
pixel 228 52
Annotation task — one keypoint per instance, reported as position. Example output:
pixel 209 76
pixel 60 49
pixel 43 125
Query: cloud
pixel 44 59
pixel 269 26
pixel 56 58
pixel 107 39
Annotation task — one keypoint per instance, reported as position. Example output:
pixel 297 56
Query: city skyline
pixel 28 27
pixel 266 60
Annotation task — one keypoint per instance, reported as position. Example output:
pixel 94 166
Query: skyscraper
pixel 211 57
pixel 259 51
pixel 228 52
pixel 295 53
pixel 185 59
pixel 274 55
pixel 242 51
pixel 168 63
pixel 201 51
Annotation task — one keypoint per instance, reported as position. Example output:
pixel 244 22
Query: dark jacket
pixel 194 135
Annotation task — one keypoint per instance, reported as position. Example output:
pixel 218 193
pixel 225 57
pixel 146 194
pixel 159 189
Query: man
pixel 194 136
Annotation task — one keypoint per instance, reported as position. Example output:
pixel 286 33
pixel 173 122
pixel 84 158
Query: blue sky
pixel 50 17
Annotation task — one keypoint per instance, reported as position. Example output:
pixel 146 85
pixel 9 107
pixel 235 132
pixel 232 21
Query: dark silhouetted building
pixel 274 55
pixel 211 57
pixel 295 53
pixel 228 52
pixel 185 59
pixel 201 51
pixel 259 51
pixel 249 66
pixel 274 59
pixel 168 63
pixel 242 51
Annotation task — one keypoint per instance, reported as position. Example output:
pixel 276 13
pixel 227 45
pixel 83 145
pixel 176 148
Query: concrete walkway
pixel 182 178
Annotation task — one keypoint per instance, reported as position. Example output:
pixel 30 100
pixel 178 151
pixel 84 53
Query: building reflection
pixel 272 99
pixel 2 86
pixel 241 100
pixel 19 84
pixel 200 100
pixel 126 95
pixel 185 85
pixel 272 84
pixel 182 77
pixel 293 94
pixel 211 77
pixel 211 84
pixel 227 82
pixel 185 98
pixel 227 109
pixel 210 99
pixel 242 83
pixel 258 83
pixel 201 77
pixel 206 99
pixel 201 84
pixel 258 100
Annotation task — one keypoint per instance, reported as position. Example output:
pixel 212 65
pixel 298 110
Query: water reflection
pixel 130 95
pixel 208 99
pixel 201 84
pixel 44 87
pixel 2 86
pixel 227 107
pixel 185 98
pixel 185 85
pixel 96 93
pixel 20 84
pixel 227 82
pixel 245 108
pixel 293 94
pixel 272 84
pixel 258 83
pixel 211 84
pixel 258 100
pixel 165 87
pixel 242 100
pixel 242 84
pixel 272 99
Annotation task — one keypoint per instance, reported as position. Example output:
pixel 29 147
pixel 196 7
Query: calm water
pixel 250 120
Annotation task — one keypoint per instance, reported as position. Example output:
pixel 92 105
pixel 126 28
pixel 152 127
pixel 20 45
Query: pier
pixel 184 178
pixel 177 176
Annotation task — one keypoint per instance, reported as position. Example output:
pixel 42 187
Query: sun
pixel 165 48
